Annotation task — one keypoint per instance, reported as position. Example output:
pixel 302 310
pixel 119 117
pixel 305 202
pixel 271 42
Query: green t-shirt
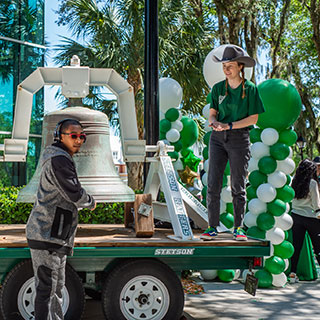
pixel 232 107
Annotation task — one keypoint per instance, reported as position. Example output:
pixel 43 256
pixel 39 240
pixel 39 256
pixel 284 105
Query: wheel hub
pixel 144 297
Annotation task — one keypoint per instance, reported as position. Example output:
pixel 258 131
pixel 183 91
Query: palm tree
pixel 112 36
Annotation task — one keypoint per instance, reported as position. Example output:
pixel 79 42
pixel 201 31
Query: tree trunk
pixel 135 169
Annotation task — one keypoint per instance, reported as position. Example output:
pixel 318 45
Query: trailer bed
pixel 111 235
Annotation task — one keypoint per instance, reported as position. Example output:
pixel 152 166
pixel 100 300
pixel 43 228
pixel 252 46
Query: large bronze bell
pixel 95 167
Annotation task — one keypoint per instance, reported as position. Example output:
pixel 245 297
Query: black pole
pixel 151 76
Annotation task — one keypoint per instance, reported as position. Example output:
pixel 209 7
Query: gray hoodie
pixel 53 220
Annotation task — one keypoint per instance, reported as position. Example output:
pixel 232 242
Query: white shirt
pixel 307 206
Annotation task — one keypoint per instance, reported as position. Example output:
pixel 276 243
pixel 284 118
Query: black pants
pixel 300 226
pixel 232 145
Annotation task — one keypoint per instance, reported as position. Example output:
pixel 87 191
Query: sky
pixel 52 33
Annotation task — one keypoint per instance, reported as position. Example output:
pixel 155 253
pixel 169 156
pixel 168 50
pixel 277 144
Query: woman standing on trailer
pixel 234 107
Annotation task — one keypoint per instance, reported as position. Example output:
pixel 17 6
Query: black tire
pixel 142 289
pixel 20 279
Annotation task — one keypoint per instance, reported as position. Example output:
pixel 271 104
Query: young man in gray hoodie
pixel 53 221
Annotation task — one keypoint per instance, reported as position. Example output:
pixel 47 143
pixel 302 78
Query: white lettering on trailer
pixel 173 252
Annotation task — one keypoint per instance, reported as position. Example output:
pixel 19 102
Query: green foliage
pixel 12 212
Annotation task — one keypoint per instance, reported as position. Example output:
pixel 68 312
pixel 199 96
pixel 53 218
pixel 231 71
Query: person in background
pixel 234 107
pixel 53 221
pixel 305 212
pixel 316 160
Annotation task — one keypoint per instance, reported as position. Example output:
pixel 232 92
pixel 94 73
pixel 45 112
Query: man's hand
pixel 218 126
pixel 95 205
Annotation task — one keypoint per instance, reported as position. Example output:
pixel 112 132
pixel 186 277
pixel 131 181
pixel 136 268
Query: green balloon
pixel 264 277
pixel 265 221
pixel 286 235
pixel 267 165
pixel 224 181
pixel 251 192
pixel 173 155
pixel 277 207
pixel 230 207
pixel 185 152
pixel 172 114
pixel 279 151
pixel 285 193
pixel 208 99
pixel 227 169
pixel 289 178
pixel 256 178
pixel 204 192
pixel 275 265
pixel 282 104
pixel 255 135
pixel 227 219
pixel 288 137
pixel 204 202
pixel 189 133
pixel 255 232
pixel 284 250
pixel 177 146
pixel 205 153
pixel 162 136
pixel 165 125
pixel 226 275
pixel 206 138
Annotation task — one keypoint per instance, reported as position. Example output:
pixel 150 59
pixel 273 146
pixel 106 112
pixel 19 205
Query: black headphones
pixel 57 132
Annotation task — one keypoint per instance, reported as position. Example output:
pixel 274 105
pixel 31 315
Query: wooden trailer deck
pixel 111 235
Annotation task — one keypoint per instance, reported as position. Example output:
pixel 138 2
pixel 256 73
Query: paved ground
pixel 228 301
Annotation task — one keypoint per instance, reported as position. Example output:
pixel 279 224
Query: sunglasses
pixel 75 136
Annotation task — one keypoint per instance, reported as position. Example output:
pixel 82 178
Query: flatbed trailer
pixel 136 278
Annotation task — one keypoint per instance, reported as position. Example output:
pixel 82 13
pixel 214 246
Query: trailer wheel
pixel 142 289
pixel 18 293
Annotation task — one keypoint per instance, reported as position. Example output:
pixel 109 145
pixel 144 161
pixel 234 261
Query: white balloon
pixel 206 111
pixel 269 136
pixel 266 192
pixel 278 179
pixel 206 166
pixel 244 274
pixel 290 152
pixel 223 206
pixel 206 126
pixel 173 135
pixel 286 261
pixel 279 280
pixel 212 71
pixel 259 150
pixel 284 222
pixel 287 165
pixel 170 94
pixel 287 207
pixel 208 275
pixel 204 179
pixel 256 206
pixel 250 219
pixel 180 115
pixel 226 195
pixel 275 235
pixel 178 165
pixel 253 165
pixel 177 125
pixel 237 274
